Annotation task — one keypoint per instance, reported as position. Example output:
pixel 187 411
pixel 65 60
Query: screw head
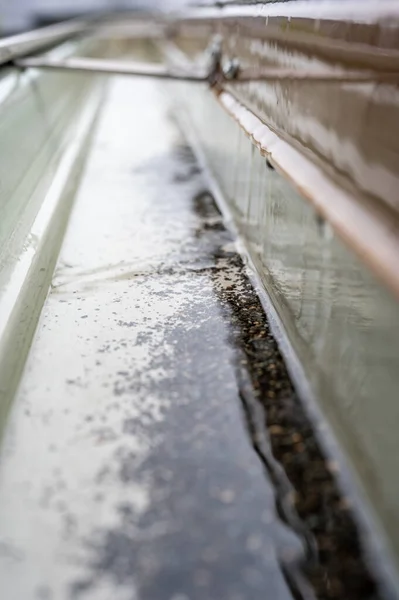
pixel 231 68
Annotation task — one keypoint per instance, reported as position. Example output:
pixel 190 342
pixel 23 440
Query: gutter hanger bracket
pixel 217 73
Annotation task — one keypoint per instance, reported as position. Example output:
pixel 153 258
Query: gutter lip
pixel 369 232
pixel 347 10
pixel 23 44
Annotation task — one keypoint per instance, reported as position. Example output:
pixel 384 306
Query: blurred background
pixel 20 15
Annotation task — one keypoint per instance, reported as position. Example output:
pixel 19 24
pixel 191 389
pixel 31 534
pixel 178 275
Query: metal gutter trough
pixel 199 339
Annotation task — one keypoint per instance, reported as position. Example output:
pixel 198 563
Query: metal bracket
pixel 211 75
pixel 218 71
pixel 111 67
pixel 230 72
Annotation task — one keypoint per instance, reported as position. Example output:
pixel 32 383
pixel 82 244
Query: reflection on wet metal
pixel 370 234
pixel 172 457
pixel 39 39
pixel 342 323
pixel 145 482
pixel 147 390
pixel 39 174
pixel 348 130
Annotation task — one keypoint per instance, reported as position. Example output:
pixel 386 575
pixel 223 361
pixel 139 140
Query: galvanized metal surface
pixel 126 470
pixel 341 323
pixel 136 462
pixel 310 111
pixel 355 222
pixel 39 39
pixel 39 175
pixel 106 405
pixel 349 131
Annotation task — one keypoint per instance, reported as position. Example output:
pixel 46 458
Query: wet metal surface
pixel 39 39
pixel 39 174
pixel 347 130
pixel 156 448
pixel 341 322
pixel 127 471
